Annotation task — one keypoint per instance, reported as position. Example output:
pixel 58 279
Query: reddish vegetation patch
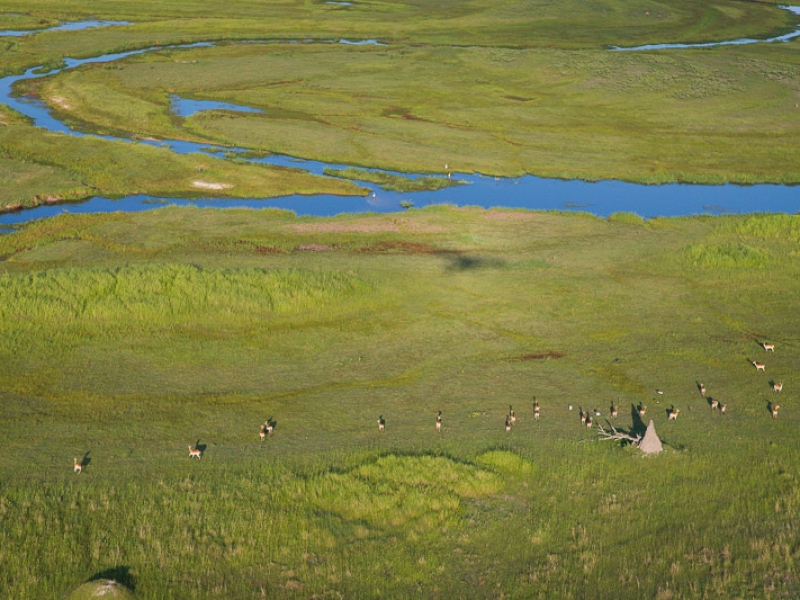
pixel 502 215
pixel 314 248
pixel 402 248
pixel 541 355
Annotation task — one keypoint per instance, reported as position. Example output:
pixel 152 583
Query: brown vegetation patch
pixel 314 248
pixel 540 355
pixel 401 247
pixel 518 98
pixel 268 250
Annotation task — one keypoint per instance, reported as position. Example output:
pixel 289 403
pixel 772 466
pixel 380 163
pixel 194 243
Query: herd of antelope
pixel 268 426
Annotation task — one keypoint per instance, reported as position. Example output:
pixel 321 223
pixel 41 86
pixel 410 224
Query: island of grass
pixel 393 183
pixel 125 338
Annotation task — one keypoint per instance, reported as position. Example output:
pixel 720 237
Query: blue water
pixel 184 107
pixel 601 198
pixel 73 26
pixel 739 42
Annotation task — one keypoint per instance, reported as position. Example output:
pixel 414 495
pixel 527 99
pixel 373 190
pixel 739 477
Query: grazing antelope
pixel 775 409
pixel 614 412
pixel 768 347
pixel 439 422
pixel 759 366
pixel 673 414
pixel 642 410
pixel 714 404
pixel 268 427
pixel 583 417
pixel 511 416
pixel 589 423
pixel 508 425
pixel 262 432
pixel 702 389
pixel 381 424
pixel 77 466
pixel 194 452
pixel 536 406
pixel 723 407
pixel 777 387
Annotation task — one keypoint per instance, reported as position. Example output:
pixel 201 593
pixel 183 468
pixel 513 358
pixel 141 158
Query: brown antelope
pixel 775 409
pixel 702 389
pixel 642 410
pixel 508 425
pixel 714 404
pixel 583 417
pixel 723 407
pixel 614 412
pixel 381 424
pixel 268 427
pixel 194 452
pixel 262 432
pixel 536 406
pixel 759 366
pixel 768 347
pixel 777 387
pixel 673 414
pixel 439 422
pixel 536 416
pixel 589 423
pixel 511 416
pixel 77 466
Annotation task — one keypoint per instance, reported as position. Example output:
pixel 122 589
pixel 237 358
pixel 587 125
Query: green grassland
pixel 125 338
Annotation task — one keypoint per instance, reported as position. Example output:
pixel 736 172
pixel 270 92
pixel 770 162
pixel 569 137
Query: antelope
pixel 777 387
pixel 702 389
pixel 536 415
pixel 589 423
pixel 583 417
pixel 381 424
pixel 775 409
pixel 768 347
pixel 759 366
pixel 194 452
pixel 535 406
pixel 673 414
pixel 77 466
pixel 508 425
pixel 262 432
pixel 614 412
pixel 268 427
pixel 511 416
pixel 714 404
pixel 439 422
pixel 642 410
pixel 723 407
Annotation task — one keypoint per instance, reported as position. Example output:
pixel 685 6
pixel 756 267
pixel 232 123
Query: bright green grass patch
pixel 627 218
pixel 726 256
pixel 393 183
pixel 157 295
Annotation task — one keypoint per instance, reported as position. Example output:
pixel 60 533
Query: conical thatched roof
pixel 650 443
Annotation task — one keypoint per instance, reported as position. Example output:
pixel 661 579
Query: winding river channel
pixel 600 198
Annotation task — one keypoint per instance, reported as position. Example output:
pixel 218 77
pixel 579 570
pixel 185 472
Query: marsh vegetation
pixel 126 337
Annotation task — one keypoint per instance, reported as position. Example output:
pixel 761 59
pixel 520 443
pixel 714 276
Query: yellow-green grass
pixel 125 338
pixel 712 115
pixel 38 166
